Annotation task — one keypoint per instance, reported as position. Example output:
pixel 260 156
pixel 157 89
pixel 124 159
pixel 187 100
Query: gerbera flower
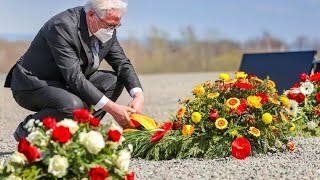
pixel 233 103
pixel 187 130
pixel 213 95
pixel 254 131
pixel 181 112
pixel 199 90
pixel 221 123
pixel 306 88
pixel 293 107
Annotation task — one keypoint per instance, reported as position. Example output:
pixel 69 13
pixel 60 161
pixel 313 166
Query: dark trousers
pixel 59 101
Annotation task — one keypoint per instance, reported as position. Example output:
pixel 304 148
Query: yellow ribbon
pixel 145 121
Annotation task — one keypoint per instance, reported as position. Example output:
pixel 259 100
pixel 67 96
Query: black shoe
pixel 20 132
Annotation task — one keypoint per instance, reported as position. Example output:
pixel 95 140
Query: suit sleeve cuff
pixel 135 90
pixel 103 101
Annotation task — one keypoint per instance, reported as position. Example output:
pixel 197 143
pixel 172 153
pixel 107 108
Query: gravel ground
pixel 161 95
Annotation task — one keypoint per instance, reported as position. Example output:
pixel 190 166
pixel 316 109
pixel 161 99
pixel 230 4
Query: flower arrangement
pixel 305 100
pixel 229 116
pixel 70 149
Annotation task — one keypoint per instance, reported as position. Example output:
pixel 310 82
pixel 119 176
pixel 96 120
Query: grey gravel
pixel 161 95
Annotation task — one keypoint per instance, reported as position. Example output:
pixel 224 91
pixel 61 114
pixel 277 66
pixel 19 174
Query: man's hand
pixel 137 102
pixel 120 114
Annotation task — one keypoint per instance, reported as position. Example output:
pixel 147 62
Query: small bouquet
pixel 229 116
pixel 306 97
pixel 81 148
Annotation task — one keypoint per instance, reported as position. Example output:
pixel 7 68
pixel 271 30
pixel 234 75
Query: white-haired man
pixel 58 73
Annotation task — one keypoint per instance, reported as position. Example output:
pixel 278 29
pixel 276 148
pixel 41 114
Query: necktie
pixel 95 53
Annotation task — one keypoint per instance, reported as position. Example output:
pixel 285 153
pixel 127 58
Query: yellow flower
pixel 199 90
pixel 187 130
pixel 271 84
pixel 241 75
pixel 224 76
pixel 254 131
pixel 234 132
pixel 285 101
pixel 187 99
pixel 181 112
pixel 254 101
pixel 230 81
pixel 267 118
pixel 293 127
pixel 221 123
pixel 274 101
pixel 258 80
pixel 196 117
pixel 283 117
pixel 213 95
pixel 233 103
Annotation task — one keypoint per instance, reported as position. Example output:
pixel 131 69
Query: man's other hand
pixel 137 102
pixel 120 114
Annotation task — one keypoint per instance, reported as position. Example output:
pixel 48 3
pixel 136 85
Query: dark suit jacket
pixel 61 54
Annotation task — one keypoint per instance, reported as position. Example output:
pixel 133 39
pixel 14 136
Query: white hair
pixel 102 6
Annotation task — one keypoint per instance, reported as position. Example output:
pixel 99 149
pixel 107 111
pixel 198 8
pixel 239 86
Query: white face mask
pixel 103 35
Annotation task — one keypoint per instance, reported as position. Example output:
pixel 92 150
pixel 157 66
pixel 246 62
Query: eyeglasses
pixel 109 27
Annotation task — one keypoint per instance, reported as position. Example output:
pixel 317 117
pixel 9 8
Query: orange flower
pixel 254 131
pixel 187 130
pixel 181 112
pixel 199 90
pixel 221 123
pixel 233 103
pixel 213 95
pixel 274 100
pixel 291 146
pixel 271 84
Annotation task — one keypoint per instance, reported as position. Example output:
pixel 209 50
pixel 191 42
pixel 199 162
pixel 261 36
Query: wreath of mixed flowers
pixel 239 116
pixel 81 148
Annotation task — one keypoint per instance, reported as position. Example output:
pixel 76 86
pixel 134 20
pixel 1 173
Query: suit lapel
pixel 85 40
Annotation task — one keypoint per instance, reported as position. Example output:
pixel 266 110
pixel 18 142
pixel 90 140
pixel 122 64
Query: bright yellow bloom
pixel 181 112
pixel 187 130
pixel 254 131
pixel 233 103
pixel 199 90
pixel 230 81
pixel 196 117
pixel 274 101
pixel 293 127
pixel 285 101
pixel 234 132
pixel 241 75
pixel 213 95
pixel 267 118
pixel 254 101
pixel 224 76
pixel 221 123
pixel 283 117
pixel 187 99
pixel 271 84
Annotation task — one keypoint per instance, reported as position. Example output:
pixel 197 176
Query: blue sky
pixel 236 19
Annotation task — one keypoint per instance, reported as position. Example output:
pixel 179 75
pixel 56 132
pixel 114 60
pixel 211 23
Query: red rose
pixel 49 122
pixel 114 135
pixel 130 176
pixel 264 97
pixel 315 77
pixel 32 153
pixel 98 173
pixel 318 96
pixel 23 145
pixel 94 122
pixel 213 115
pixel 304 77
pixel 81 115
pixel 61 134
pixel 300 98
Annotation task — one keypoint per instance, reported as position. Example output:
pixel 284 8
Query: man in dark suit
pixel 58 73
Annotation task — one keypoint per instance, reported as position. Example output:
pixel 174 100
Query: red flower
pixel 23 145
pixel 160 133
pixel 318 96
pixel 296 85
pixel 241 148
pixel 130 176
pixel 61 134
pixel 243 85
pixel 291 146
pixel 213 115
pixel 32 153
pixel 94 122
pixel 49 122
pixel 176 125
pixel 135 123
pixel 81 115
pixel 300 98
pixel 242 107
pixel 304 77
pixel 315 77
pixel 291 96
pixel 114 135
pixel 98 173
pixel 264 97
pixel 251 76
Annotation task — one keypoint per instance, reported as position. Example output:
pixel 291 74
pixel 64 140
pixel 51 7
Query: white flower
pixel 18 158
pixel 293 109
pixel 93 141
pixel 311 125
pixel 29 124
pixel 306 88
pixel 58 166
pixel 13 177
pixel 35 135
pixel 123 160
pixel 130 147
pixel 71 124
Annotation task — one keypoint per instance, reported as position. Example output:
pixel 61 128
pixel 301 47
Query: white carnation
pixel 311 125
pixel 35 135
pixel 29 124
pixel 123 160
pixel 71 124
pixel 18 158
pixel 93 141
pixel 306 88
pixel 58 166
